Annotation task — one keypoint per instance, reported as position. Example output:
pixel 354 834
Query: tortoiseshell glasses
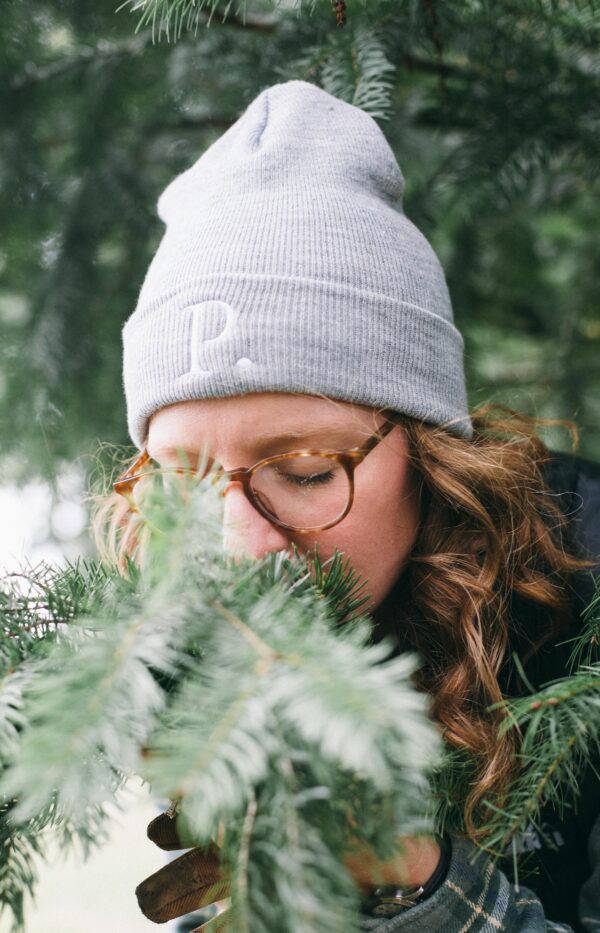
pixel 303 490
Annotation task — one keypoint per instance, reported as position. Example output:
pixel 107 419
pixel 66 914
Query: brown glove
pixel 193 880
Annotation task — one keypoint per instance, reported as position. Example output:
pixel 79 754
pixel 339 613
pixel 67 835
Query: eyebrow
pixel 277 439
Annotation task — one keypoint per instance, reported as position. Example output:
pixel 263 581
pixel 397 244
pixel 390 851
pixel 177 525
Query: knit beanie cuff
pixel 234 333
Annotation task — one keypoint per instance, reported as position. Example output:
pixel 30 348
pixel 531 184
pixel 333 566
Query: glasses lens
pixel 154 480
pixel 303 491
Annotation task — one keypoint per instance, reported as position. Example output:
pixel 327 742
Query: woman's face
pixel 378 532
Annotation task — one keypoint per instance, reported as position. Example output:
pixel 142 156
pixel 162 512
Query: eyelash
pixel 315 478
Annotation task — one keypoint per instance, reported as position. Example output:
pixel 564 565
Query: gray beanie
pixel 288 265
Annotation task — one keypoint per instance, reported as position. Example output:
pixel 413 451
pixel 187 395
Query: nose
pixel 245 531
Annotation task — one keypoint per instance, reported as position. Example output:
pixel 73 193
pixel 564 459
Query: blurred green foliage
pixel 492 110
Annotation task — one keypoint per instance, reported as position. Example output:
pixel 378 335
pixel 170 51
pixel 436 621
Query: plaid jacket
pixel 476 897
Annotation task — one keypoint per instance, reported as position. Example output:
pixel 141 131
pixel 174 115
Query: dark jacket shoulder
pixel 577 481
pixel 556 856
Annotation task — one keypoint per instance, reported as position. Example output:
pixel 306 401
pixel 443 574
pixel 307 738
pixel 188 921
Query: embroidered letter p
pixel 216 317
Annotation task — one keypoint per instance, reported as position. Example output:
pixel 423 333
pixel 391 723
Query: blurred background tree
pixel 493 111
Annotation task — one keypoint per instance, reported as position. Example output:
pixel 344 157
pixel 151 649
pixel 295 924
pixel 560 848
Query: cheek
pixel 385 513
pixel 377 536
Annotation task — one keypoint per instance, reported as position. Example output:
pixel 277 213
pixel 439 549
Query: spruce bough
pixel 235 687
pixel 251 694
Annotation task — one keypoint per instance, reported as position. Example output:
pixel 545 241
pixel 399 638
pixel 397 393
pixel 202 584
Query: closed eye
pixel 312 479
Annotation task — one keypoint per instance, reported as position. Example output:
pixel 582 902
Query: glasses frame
pixel 349 459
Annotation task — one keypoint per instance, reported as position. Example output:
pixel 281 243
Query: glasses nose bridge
pixel 241 476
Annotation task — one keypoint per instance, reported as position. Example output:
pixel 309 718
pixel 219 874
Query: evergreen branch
pixel 561 733
pixel 294 879
pixel 455 773
pixel 251 689
pixel 242 865
pixel 12 687
pixel 266 655
pixel 374 75
pixel 36 603
pixel 34 74
pixel 34 606
pixel 283 706
pixel 17 868
pixel 586 645
pixel 334 579
pixel 352 67
pixel 107 662
pixel 160 13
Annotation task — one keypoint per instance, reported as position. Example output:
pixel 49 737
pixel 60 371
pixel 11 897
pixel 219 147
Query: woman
pixel 292 306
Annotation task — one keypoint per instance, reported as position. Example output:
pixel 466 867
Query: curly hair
pixel 490 528
pixel 491 531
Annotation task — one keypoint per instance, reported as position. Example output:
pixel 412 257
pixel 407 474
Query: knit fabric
pixel 288 264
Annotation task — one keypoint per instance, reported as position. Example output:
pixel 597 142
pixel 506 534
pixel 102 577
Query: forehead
pixel 250 422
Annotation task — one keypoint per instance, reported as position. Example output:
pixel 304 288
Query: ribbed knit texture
pixel 288 264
